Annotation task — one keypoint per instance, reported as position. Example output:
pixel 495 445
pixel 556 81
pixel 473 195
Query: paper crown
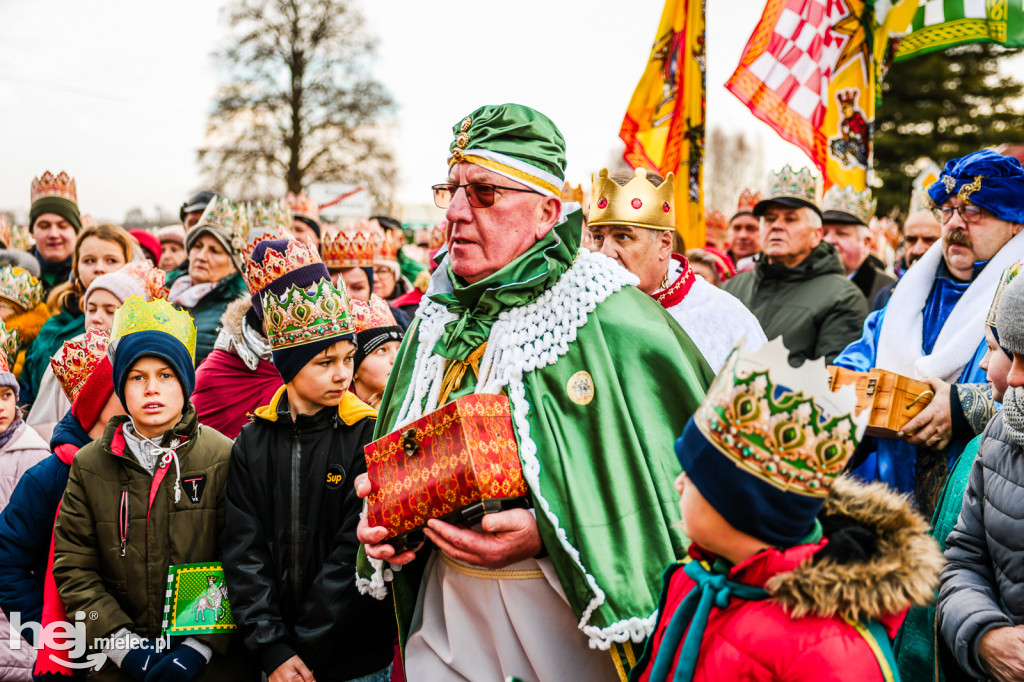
pixel 638 203
pixel 5 231
pixel 747 201
pixel 10 344
pixel 75 361
pixel 298 254
pixel 21 238
pixel 153 279
pixel 138 315
pixel 848 200
pixel 792 184
pixel 438 236
pixel 266 221
pixel 574 194
pixel 716 228
pixel 352 246
pixel 781 423
pixel 387 252
pixel 303 316
pixel 20 287
pixel 49 185
pixel 1011 272
pixel 221 214
pixel 303 205
pixel 376 313
pixel 920 201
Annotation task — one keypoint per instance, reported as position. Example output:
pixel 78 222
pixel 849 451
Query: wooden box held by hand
pixel 892 398
pixel 456 464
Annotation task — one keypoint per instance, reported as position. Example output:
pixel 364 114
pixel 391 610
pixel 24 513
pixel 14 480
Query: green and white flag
pixel 939 24
pixel 197 601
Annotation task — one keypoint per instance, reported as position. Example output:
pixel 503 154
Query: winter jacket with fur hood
pixel 880 562
pixel 983 583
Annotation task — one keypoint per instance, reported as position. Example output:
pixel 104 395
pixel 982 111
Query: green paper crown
pixel 139 315
pixel 20 287
pixel 780 423
pixel 848 200
pixel 299 316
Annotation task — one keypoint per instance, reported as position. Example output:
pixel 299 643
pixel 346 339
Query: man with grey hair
pixel 845 215
pixel 798 288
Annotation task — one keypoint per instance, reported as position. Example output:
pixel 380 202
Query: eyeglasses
pixel 968 213
pixel 479 194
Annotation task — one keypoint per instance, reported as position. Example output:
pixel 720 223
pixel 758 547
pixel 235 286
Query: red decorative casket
pixel 456 464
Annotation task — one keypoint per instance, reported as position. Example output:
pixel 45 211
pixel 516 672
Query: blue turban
pixel 987 179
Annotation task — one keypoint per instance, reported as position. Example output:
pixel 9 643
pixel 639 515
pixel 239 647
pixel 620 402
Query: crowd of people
pixel 703 503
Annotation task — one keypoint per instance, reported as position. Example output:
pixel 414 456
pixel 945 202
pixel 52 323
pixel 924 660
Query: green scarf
pixel 519 283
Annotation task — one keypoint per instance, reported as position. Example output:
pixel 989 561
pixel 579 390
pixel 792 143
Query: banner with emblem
pixel 196 602
pixel 939 24
pixel 664 124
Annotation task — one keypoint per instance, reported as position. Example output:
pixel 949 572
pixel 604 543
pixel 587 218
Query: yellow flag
pixel 664 124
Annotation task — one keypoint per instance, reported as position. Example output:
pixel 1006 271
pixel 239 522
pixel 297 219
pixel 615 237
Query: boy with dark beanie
pixel 148 494
pixel 794 571
pixel 290 545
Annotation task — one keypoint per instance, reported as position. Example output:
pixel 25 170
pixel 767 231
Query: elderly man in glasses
pixel 933 326
pixel 600 381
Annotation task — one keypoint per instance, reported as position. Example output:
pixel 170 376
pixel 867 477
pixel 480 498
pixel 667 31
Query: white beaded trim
pixel 523 339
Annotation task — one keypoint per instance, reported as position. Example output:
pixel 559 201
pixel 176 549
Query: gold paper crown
pixel 303 205
pixel 266 221
pixel 221 214
pixel 747 201
pixel 298 254
pixel 438 236
pixel 376 313
pixel 848 200
pixel 76 360
pixel 5 231
pixel 20 287
pixel 793 184
pixel 138 315
pixel 781 423
pixel 21 238
pixel 638 203
pixel 49 185
pixel 920 200
pixel 387 252
pixel 300 316
pixel 1008 276
pixel 716 227
pixel 574 194
pixel 10 344
pixel 352 246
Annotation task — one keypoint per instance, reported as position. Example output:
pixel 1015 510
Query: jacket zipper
pixel 296 496
pixel 122 520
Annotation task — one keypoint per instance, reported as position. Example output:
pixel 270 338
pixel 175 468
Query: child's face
pixel 8 407
pixel 374 370
pixel 99 311
pixel 996 365
pixel 153 396
pixel 324 379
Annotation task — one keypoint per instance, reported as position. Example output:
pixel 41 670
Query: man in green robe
pixel 600 379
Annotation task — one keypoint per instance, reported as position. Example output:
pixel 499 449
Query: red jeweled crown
pixel 376 313
pixel 152 279
pixel 49 185
pixel 747 201
pixel 352 246
pixel 76 360
pixel 303 205
pixel 387 252
pixel 298 254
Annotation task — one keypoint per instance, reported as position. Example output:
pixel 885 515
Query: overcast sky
pixel 117 92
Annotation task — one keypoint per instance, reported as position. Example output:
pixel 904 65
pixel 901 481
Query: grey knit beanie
pixel 1010 317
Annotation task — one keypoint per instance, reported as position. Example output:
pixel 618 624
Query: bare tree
pixel 733 162
pixel 300 105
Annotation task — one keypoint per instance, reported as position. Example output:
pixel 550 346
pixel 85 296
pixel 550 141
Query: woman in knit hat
pixel 172 247
pixel 214 277
pixel 377 340
pixel 22 309
pixel 99 249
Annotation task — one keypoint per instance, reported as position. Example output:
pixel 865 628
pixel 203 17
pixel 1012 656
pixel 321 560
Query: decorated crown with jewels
pixel 76 360
pixel 303 205
pixel 20 287
pixel 153 279
pixel 352 246
pixel 266 221
pixel 387 252
pixel 10 344
pixel 848 200
pixel 221 214
pixel 139 315
pixel 298 254
pixel 376 313
pixel 21 238
pixel 49 185
pixel 747 201
pixel 5 231
pixel 793 184
pixel 637 203
pixel 781 423
pixel 303 316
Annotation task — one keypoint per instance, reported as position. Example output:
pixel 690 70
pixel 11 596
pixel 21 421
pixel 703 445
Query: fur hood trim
pixel 234 315
pixel 29 323
pixel 903 570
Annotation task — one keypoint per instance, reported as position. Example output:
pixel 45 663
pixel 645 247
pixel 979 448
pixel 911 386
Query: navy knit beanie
pixel 125 351
pixel 290 361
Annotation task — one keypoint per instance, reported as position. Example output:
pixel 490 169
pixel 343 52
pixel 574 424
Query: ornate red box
pixel 456 464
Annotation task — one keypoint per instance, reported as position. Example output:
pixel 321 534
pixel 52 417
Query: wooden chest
pixel 893 399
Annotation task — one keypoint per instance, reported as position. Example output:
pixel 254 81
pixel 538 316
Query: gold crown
pixel 638 203
pixel 20 287
pixel 10 344
pixel 298 254
pixel 266 221
pixel 747 201
pixel 387 252
pixel 781 423
pixel 438 236
pixel 352 246
pixel 574 194
pixel 299 316
pixel 221 214
pixel 21 238
pixel 74 363
pixel 716 226
pixel 139 315
pixel 793 184
pixel 848 200
pixel 49 185
pixel 303 205
pixel 5 232
pixel 376 313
